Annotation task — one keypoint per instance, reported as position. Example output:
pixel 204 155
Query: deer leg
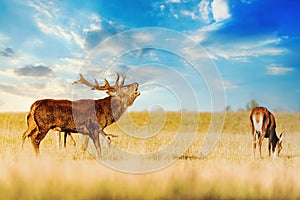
pixel 36 144
pixel 65 139
pixel 73 140
pixel 269 147
pixel 107 138
pixel 85 142
pixel 95 138
pixel 36 139
pixel 31 128
pixel 27 133
pixel 260 144
pixel 254 144
pixel 273 151
pixel 58 137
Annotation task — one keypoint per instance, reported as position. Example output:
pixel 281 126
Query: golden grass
pixel 228 172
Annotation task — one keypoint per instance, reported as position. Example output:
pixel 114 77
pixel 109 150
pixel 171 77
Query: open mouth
pixel 137 93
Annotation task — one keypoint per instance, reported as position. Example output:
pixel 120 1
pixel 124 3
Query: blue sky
pixel 251 46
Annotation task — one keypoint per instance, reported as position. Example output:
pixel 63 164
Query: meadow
pixel 228 172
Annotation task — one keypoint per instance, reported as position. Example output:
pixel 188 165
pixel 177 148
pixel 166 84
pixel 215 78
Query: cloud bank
pixel 35 71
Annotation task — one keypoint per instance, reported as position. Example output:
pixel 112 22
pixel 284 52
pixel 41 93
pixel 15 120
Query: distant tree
pixel 241 110
pixel 252 104
pixel 228 109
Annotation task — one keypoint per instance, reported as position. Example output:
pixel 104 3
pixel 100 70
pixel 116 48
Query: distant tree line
pixel 249 106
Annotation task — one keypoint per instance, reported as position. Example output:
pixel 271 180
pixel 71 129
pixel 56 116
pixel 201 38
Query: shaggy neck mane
pixel 115 107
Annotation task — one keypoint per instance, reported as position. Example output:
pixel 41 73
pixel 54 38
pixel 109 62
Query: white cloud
pixel 96 18
pixel 3 37
pixel 238 53
pixel 205 10
pixel 201 34
pixel 78 39
pixel 242 50
pixel 229 85
pixel 189 14
pixel 73 61
pixel 220 10
pixel 41 87
pixel 95 27
pixel 143 36
pixel 194 53
pixel 51 28
pixel 8 75
pixel 225 84
pixel 69 65
pixel 214 14
pixel 278 70
pixel 47 15
pixel 49 19
pixel 41 8
pixel 173 1
pixel 162 7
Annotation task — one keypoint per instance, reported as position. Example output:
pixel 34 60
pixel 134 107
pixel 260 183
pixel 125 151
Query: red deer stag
pixel 263 126
pixel 86 116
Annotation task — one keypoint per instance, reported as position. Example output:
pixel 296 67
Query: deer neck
pixel 275 139
pixel 118 107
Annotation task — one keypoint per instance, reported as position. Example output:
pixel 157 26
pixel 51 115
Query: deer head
pixel 124 92
pixel 279 144
pixel 128 92
pixel 121 95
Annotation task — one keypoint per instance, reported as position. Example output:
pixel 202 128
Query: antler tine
pixel 96 84
pixel 83 81
pixel 123 79
pixel 93 86
pixel 105 87
pixel 117 80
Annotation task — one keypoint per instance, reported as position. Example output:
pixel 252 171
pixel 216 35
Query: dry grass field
pixel 228 172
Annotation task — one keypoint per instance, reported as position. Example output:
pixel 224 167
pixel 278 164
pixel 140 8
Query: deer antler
pixel 117 80
pixel 95 86
pixel 123 80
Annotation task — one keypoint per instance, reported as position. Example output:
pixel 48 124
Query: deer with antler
pixel 263 125
pixel 87 116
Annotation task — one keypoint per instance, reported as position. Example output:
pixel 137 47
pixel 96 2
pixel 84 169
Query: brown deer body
pixel 263 125
pixel 86 116
pixel 30 122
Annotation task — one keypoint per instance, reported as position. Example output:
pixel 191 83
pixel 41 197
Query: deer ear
pixel 111 93
pixel 281 137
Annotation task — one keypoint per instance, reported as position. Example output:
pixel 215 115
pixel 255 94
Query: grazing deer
pixel 263 126
pixel 32 126
pixel 66 134
pixel 86 116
